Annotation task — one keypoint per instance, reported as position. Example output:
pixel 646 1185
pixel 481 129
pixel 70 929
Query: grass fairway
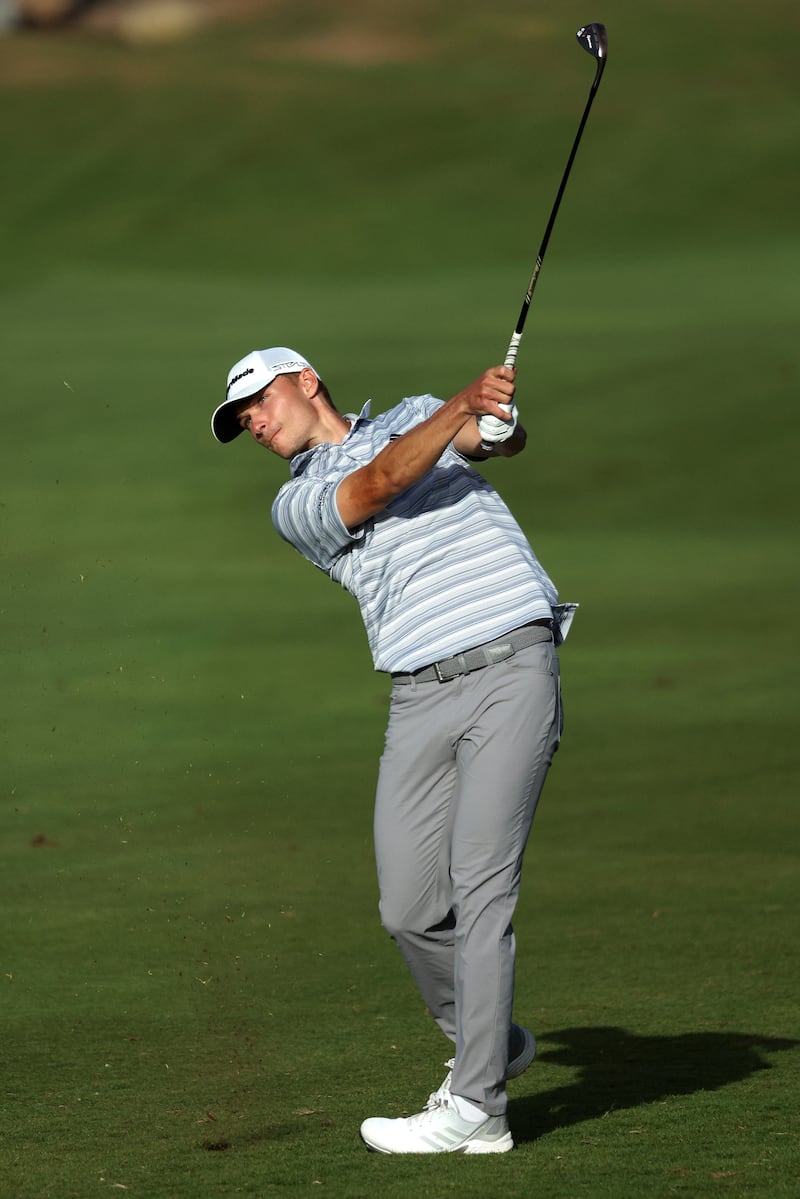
pixel 196 997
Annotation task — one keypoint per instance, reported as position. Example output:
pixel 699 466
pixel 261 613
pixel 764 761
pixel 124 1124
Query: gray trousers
pixel 461 774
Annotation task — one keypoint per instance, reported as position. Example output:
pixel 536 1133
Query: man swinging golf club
pixel 459 611
pixel 461 614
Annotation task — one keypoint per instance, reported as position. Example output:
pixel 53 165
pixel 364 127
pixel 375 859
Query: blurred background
pixel 190 720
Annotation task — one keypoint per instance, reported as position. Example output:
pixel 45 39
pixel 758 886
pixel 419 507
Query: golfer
pixel 459 611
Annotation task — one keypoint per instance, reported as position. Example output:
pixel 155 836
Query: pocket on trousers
pixel 537 658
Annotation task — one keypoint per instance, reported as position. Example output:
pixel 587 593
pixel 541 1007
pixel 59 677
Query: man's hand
pixel 492 390
pixel 493 430
pixel 496 432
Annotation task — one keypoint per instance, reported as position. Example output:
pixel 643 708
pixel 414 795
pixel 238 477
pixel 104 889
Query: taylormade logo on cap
pixel 250 375
pixel 236 379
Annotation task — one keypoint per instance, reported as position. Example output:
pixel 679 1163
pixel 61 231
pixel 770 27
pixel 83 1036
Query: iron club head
pixel 594 40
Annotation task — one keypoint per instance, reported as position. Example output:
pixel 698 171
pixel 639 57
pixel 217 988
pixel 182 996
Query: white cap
pixel 250 375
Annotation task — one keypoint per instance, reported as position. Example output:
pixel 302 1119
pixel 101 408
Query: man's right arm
pixel 408 459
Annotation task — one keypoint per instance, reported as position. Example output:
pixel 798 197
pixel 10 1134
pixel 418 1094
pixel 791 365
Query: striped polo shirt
pixel 442 568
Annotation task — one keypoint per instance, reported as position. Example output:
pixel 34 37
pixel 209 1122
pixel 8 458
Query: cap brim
pixel 224 424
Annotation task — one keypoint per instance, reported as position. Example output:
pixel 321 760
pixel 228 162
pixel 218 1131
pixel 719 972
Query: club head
pixel 594 40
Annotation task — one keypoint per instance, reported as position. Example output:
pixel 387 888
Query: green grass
pixel 196 996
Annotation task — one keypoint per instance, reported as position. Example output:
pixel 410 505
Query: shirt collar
pixel 301 460
pixel 355 421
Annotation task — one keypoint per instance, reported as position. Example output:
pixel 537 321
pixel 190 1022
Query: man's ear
pixel 309 382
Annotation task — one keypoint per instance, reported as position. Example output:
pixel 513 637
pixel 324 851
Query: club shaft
pixel 513 347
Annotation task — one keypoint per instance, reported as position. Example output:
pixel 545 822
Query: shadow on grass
pixel 619 1069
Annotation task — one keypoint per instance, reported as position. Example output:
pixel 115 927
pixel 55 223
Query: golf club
pixel 594 40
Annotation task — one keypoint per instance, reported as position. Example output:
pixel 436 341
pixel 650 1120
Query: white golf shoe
pixel 438 1129
pixel 522 1041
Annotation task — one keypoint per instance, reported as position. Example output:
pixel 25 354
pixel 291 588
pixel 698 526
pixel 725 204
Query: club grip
pixel 511 360
pixel 513 347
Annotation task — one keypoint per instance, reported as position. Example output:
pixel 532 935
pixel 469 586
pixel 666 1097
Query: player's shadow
pixel 618 1069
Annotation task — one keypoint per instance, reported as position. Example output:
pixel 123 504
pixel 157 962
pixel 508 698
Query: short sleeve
pixel 306 515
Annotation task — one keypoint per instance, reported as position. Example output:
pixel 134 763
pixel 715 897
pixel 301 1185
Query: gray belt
pixel 482 655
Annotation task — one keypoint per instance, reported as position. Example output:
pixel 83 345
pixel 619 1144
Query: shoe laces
pixel 438 1098
pixel 432 1111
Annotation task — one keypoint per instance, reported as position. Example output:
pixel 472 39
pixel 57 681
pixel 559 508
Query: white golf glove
pixel 493 430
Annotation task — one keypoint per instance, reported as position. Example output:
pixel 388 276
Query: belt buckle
pixel 461 668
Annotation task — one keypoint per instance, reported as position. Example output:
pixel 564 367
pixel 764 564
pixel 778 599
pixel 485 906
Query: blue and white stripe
pixel 444 567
